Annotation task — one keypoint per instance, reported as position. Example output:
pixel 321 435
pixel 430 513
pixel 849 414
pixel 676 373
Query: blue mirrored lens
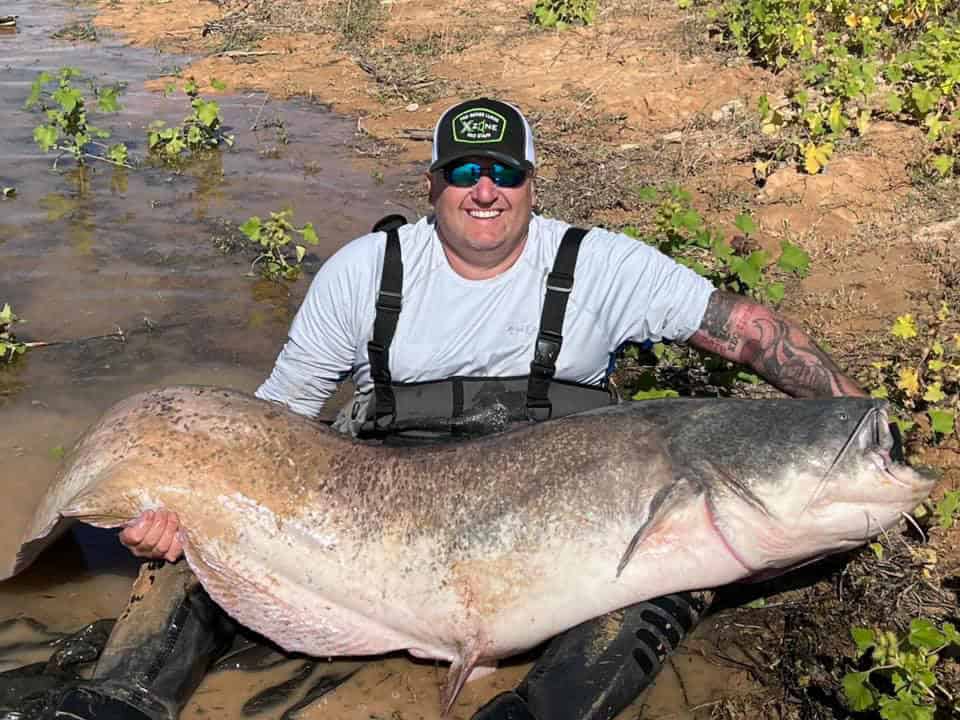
pixel 468 174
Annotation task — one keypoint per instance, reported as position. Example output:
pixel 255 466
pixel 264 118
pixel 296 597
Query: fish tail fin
pixel 457 676
pixel 98 499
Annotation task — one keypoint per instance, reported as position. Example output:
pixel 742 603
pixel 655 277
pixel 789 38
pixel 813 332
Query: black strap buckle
pixel 539 410
pixel 560 282
pixel 389 301
pixel 547 350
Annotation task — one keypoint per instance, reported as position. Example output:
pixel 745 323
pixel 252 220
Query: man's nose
pixel 485 190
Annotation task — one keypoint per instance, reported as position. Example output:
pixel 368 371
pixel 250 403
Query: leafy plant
pixel 682 233
pixel 560 13
pixel 901 682
pixel 274 236
pixel 201 131
pixel 67 130
pixel 921 374
pixel 10 347
pixel 947 510
pixel 858 59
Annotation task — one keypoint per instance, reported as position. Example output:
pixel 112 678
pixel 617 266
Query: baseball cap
pixel 486 128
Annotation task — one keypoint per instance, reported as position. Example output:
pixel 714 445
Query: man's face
pixel 483 224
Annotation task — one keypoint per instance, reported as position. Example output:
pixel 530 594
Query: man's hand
pixel 778 350
pixel 154 535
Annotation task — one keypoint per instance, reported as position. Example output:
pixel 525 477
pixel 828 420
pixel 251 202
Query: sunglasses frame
pixel 488 171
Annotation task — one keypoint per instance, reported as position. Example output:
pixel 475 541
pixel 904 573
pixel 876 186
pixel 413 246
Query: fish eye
pixel 843 417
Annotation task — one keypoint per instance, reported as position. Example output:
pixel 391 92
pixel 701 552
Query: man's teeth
pixel 484 214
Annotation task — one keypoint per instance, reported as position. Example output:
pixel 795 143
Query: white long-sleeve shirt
pixel 624 290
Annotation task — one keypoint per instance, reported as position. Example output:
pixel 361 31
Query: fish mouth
pixel 880 442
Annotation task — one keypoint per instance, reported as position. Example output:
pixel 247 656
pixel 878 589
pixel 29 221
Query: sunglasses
pixel 467 174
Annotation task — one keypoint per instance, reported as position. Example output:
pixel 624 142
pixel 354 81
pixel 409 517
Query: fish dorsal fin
pixel 663 501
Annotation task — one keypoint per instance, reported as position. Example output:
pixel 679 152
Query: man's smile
pixel 484 214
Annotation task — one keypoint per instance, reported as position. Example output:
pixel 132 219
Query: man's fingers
pixel 176 549
pixel 155 531
pixel 165 543
pixel 134 534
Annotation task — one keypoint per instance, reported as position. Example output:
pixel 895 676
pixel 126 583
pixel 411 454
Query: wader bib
pixel 458 407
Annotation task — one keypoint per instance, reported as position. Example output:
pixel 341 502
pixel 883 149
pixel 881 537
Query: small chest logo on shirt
pixel 524 329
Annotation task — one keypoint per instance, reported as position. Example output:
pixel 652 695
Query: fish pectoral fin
pixel 667 498
pixel 461 669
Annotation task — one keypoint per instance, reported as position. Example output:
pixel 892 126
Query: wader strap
pixel 550 337
pixel 389 302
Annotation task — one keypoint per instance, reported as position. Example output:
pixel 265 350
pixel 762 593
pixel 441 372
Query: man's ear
pixel 431 186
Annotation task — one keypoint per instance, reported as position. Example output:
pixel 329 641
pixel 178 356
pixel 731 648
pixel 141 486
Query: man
pixel 486 314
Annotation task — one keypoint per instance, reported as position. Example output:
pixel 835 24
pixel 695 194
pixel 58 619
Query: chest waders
pixel 594 670
pixel 459 407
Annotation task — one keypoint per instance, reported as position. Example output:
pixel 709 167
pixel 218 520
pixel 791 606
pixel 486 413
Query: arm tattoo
pixel 743 331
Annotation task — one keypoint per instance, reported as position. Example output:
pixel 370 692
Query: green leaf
pixel 107 100
pixel 57 452
pixel 943 164
pixel 775 292
pixel 46 136
pixel 208 113
pixel 648 194
pixel 218 84
pixel 864 638
pixel 655 394
pixel 934 393
pixel 301 251
pixel 942 421
pixel 860 695
pixel 904 426
pixel 924 634
pixel 68 98
pixel 880 393
pixel 924 98
pixel 194 136
pixel 309 234
pixel 904 708
pixel 950 632
pixel 118 153
pixel 793 259
pixel 877 549
pixel 251 228
pixel 745 224
pixel 37 89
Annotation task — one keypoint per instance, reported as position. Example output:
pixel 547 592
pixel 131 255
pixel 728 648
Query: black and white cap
pixel 485 128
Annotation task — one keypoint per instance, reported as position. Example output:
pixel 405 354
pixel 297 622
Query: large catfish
pixel 477 551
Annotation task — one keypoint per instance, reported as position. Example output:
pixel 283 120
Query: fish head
pixel 828 487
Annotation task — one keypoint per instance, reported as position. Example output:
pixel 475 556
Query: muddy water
pixel 130 252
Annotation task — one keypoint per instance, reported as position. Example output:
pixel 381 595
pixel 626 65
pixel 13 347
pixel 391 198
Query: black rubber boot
pixel 594 670
pixel 158 652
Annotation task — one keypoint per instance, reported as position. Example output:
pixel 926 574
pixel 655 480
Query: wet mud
pixel 130 254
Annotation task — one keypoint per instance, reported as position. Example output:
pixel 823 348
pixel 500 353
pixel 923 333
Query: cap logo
pixel 479 125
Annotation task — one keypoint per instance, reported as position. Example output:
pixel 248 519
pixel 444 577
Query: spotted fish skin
pixel 476 551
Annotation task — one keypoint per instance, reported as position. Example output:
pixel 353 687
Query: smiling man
pixel 486 314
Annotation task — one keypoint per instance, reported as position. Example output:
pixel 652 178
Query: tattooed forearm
pixel 775 348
